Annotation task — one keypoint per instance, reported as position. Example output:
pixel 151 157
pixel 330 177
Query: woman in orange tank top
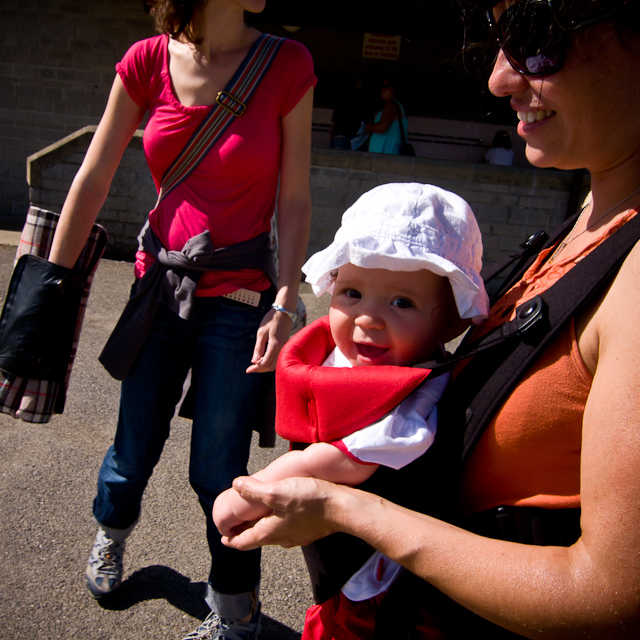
pixel 568 435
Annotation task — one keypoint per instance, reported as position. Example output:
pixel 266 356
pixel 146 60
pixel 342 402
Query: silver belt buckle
pixel 246 296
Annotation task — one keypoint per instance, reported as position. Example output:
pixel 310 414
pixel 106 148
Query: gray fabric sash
pixel 172 280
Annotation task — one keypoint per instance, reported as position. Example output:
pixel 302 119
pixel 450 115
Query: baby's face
pixel 386 317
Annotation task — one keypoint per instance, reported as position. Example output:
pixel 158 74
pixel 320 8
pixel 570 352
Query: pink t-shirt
pixel 232 192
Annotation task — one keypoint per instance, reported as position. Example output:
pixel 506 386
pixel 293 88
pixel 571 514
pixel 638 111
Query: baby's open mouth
pixel 370 350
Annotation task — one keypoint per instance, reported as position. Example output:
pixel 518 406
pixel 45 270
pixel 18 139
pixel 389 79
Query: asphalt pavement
pixel 47 482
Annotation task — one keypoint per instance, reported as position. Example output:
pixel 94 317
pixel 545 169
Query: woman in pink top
pixel 571 69
pixel 227 342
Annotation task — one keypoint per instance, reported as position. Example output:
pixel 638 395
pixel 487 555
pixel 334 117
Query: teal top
pixel 391 139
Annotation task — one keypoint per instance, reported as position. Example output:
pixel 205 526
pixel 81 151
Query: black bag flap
pixel 38 320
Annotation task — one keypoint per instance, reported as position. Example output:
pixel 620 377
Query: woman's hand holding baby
pixel 300 511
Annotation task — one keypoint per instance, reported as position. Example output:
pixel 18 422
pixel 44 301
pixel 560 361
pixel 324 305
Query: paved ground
pixel 47 480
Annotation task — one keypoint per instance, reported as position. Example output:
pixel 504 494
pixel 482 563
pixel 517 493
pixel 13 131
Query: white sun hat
pixel 408 227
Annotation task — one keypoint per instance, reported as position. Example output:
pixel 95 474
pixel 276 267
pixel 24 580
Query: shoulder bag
pixel 41 320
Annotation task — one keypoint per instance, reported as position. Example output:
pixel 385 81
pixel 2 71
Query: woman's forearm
pixel 376 127
pixel 551 592
pixel 294 214
pixel 294 221
pixel 294 200
pixel 318 460
pixel 554 592
pixel 387 118
pixel 379 127
pixel 91 185
pixel 78 215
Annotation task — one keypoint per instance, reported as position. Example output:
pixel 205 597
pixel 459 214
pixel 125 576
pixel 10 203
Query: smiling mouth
pixel 529 117
pixel 370 351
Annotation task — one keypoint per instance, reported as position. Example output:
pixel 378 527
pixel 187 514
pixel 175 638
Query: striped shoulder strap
pixel 231 103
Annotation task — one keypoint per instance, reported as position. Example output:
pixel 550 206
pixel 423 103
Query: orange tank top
pixel 530 453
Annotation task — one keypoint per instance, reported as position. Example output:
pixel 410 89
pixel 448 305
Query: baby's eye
pixel 402 303
pixel 352 293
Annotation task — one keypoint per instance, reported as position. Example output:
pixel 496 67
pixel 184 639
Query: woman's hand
pixel 272 335
pixel 303 510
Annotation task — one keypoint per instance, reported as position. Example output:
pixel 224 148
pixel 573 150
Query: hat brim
pixel 470 296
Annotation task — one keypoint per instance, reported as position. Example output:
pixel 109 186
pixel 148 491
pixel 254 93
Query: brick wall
pixel 57 62
pixel 131 196
pixel 510 203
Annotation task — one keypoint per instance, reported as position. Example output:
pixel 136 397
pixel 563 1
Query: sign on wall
pixel 380 46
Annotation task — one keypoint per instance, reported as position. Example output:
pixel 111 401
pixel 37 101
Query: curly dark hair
pixel 478 51
pixel 627 12
pixel 175 17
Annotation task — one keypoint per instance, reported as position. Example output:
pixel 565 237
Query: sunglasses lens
pixel 531 39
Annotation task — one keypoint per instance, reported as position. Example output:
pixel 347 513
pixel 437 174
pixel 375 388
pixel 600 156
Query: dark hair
pixel 626 17
pixel 478 51
pixel 175 18
pixel 502 139
pixel 392 83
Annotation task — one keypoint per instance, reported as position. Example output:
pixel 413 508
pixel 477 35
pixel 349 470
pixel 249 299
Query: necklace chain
pixel 571 237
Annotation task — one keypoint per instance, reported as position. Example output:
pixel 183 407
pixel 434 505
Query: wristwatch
pixel 292 315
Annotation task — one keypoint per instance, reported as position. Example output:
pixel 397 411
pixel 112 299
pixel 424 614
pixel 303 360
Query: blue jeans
pixel 217 343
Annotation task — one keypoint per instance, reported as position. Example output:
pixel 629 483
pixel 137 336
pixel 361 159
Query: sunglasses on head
pixel 533 35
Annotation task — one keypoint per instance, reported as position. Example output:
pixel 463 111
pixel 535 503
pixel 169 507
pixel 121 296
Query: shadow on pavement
pixel 274 630
pixel 158 582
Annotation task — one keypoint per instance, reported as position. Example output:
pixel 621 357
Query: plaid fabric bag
pixel 34 400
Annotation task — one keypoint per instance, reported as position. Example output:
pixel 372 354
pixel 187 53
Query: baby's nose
pixel 369 319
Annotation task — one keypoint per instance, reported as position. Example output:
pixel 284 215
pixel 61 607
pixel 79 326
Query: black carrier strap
pixel 519 263
pixel 489 378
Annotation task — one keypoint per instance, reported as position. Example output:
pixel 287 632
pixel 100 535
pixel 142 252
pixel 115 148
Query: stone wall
pixel 131 197
pixel 57 60
pixel 510 203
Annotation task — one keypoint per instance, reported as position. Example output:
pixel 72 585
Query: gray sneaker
pixel 216 628
pixel 104 569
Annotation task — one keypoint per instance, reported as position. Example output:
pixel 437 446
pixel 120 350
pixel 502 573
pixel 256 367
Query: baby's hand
pixel 232 513
pixel 223 516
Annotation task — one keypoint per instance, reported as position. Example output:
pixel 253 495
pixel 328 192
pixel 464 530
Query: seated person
pixel 501 151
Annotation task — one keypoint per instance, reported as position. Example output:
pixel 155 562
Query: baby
pixel 404 275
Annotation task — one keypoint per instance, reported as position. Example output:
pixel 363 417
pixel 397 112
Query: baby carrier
pixel 500 359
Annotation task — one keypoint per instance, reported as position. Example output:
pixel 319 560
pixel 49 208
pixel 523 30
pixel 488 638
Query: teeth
pixel 529 117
